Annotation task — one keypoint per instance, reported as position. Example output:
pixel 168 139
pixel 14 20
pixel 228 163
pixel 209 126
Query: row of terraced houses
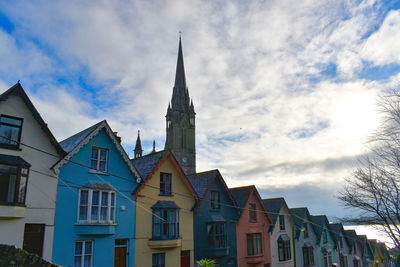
pixel 85 202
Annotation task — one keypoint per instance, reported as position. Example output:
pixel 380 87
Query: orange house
pixel 252 236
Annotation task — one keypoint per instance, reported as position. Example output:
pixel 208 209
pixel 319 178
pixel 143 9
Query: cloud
pixel 276 85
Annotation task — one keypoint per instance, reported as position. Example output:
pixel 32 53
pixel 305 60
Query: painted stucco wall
pixel 299 244
pixel 244 227
pixel 73 177
pixel 274 239
pixel 41 188
pixel 344 249
pixel 147 197
pixel 202 217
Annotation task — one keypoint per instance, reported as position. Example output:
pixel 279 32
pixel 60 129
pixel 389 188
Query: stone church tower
pixel 181 121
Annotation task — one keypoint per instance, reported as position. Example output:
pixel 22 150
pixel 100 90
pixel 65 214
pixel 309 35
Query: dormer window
pixel 324 236
pixel 10 131
pixel 99 159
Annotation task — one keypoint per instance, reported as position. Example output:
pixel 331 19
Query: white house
pixel 28 187
pixel 281 233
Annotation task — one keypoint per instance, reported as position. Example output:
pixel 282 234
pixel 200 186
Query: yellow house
pixel 164 213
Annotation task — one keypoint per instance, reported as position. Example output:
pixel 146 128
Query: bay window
pixel 284 251
pixel 13 181
pixel 216 234
pixel 254 244
pixel 165 220
pixel 96 206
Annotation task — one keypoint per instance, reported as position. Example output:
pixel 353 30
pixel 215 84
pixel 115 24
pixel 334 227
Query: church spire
pixel 180 95
pixel 138 148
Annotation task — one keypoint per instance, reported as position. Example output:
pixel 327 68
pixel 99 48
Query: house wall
pixel 41 188
pixel 73 177
pixel 299 244
pixel 274 240
pixel 329 245
pixel 146 198
pixel 202 217
pixel 244 227
pixel 344 250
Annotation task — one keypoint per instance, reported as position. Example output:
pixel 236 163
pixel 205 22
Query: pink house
pixel 252 236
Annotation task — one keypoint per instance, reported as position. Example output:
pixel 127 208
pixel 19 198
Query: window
pixel 253 212
pixel 96 206
pixel 83 254
pixel 10 131
pixel 215 200
pixel 254 244
pixel 99 159
pixel 216 234
pixel 165 223
pixel 308 255
pixel 284 252
pixel 13 181
pixel 305 230
pixel 324 236
pixel 327 258
pixel 158 260
pixel 165 183
pixel 282 222
pixel 340 241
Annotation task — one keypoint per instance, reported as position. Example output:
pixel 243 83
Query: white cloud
pixel 265 108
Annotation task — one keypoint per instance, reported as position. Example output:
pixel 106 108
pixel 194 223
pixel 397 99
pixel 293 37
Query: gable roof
pixel 273 206
pixel 149 164
pixel 351 237
pixel 320 221
pixel 300 215
pixel 17 89
pixel 241 196
pixel 336 229
pixel 74 143
pixel 202 181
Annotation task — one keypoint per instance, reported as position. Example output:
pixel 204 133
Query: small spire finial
pixel 180 35
pixel 138 148
pixel 154 147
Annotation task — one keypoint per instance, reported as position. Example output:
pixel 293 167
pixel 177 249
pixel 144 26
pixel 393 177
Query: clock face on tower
pixel 184 159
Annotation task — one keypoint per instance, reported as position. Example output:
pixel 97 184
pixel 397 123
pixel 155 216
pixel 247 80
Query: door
pixel 120 252
pixel 33 238
pixel 185 258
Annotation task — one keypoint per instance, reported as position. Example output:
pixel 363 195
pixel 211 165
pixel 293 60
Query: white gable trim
pixel 86 140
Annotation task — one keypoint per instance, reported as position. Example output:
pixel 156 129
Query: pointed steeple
pixel 154 147
pixel 180 95
pixel 138 148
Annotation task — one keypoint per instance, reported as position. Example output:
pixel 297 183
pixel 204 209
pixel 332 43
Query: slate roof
pixel 71 142
pixel 146 164
pixel 319 221
pixel 336 228
pixel 273 206
pixel 200 181
pixel 299 215
pixel 17 89
pixel 351 236
pixel 241 194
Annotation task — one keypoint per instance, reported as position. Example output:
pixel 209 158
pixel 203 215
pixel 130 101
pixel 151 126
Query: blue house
pixel 95 210
pixel 215 219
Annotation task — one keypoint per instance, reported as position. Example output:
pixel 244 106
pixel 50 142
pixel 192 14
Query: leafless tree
pixel 374 187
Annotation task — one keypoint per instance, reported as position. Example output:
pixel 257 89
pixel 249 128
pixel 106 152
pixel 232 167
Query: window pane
pixel 8 169
pixel 12 180
pixel 83 213
pixel 21 191
pixel 87 261
pixel 78 260
pixel 95 214
pixel 78 248
pixel 102 166
pixel 88 247
pixel 103 155
pixel 210 234
pixel 9 134
pixel 84 197
pixel 24 171
pixel 95 198
pixel 104 198
pixel 95 153
pixel 103 216
pixel 112 214
pixel 93 164
pixel 113 199
pixel 17 122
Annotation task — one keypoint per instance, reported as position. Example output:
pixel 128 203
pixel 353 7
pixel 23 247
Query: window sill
pixel 254 259
pixel 166 195
pixel 164 243
pixel 12 211
pixel 94 229
pixel 97 172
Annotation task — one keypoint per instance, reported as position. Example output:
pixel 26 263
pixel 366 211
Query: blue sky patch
pixel 377 73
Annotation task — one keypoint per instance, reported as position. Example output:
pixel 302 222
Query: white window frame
pixel 97 159
pixel 110 208
pixel 84 252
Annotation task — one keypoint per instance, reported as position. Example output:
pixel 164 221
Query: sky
pixel 285 91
